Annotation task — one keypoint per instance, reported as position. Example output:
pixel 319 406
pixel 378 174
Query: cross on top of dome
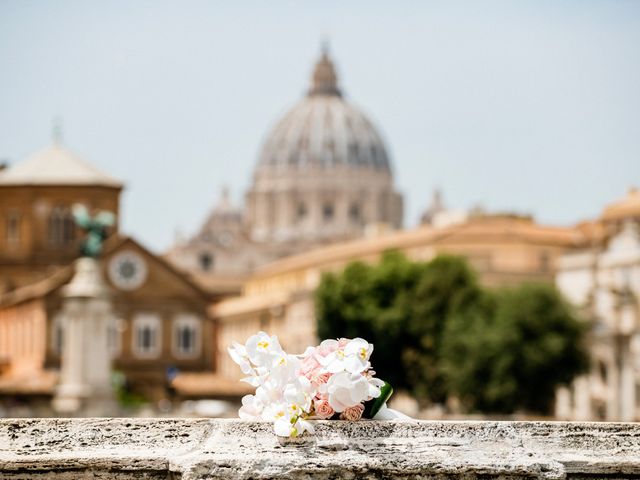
pixel 324 80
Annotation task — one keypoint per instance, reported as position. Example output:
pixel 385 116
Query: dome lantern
pixel 324 80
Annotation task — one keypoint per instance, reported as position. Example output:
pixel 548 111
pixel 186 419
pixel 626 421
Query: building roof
pixel 626 207
pixel 39 288
pixel 56 165
pixel 62 275
pixel 218 285
pixel 242 304
pixel 478 230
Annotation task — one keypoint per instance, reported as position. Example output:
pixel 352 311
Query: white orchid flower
pixel 251 408
pixel 346 389
pixel 261 348
pixel 238 354
pixel 357 351
pixel 288 420
pixel 334 362
pixel 284 367
pixel 283 427
pixel 302 426
pixel 352 358
pixel 300 393
pixel 375 384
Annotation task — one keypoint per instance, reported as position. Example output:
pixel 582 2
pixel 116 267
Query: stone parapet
pixel 234 449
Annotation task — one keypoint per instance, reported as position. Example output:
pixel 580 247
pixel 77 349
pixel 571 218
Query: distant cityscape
pixel 322 195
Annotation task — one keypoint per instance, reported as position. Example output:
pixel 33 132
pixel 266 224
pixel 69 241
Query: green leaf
pixel 373 406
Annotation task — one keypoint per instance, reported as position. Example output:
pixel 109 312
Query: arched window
pixel 327 212
pixel 62 227
pixel 382 207
pixel 354 213
pixel 114 337
pixel 186 335
pixel 545 262
pixel 147 335
pixel 56 226
pixel 205 260
pixel 302 210
pixel 13 228
pixel 68 229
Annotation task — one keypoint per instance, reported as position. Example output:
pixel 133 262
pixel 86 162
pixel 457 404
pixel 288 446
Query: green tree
pixel 401 307
pixel 513 349
pixel 446 286
pixel 368 301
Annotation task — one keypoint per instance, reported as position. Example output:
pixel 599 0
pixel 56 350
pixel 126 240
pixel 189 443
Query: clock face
pixel 127 270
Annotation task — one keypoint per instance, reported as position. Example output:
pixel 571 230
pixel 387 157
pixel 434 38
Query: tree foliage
pixel 445 287
pixel 400 306
pixel 438 333
pixel 513 351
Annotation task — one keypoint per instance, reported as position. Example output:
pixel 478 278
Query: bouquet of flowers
pixel 332 380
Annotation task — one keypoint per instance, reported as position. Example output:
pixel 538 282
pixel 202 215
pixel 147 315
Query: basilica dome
pixel 324 131
pixel 323 172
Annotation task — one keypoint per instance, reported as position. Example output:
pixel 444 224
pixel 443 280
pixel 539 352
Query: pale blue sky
pixel 526 106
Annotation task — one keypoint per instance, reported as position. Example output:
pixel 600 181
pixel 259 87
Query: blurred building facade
pixel 161 325
pixel 278 298
pixel 603 280
pixel 323 175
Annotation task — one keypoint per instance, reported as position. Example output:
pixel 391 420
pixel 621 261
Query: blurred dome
pixel 324 131
pixel 323 173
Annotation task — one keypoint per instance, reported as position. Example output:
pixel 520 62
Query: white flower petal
pixel 282 427
pixel 253 381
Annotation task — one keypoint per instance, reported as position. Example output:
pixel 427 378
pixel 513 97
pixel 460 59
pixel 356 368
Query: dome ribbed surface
pixel 323 130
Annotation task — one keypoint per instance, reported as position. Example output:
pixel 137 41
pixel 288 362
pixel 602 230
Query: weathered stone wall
pixel 233 449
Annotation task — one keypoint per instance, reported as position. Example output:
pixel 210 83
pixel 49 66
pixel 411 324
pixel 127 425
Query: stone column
pixel 85 374
pixel 613 386
pixel 283 218
pixel 563 405
pixel 627 325
pixel 315 203
pixel 627 383
pixel 582 399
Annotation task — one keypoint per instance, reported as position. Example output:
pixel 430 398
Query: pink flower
pixel 353 413
pixel 311 368
pixel 309 365
pixel 322 408
pixel 326 347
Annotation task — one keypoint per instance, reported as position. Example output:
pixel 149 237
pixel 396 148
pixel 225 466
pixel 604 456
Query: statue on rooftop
pixel 95 227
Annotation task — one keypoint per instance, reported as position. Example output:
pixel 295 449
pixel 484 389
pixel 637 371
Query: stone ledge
pixel 233 449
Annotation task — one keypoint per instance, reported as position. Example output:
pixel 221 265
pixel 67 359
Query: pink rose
pixel 322 408
pixel 309 365
pixel 353 413
pixel 311 368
